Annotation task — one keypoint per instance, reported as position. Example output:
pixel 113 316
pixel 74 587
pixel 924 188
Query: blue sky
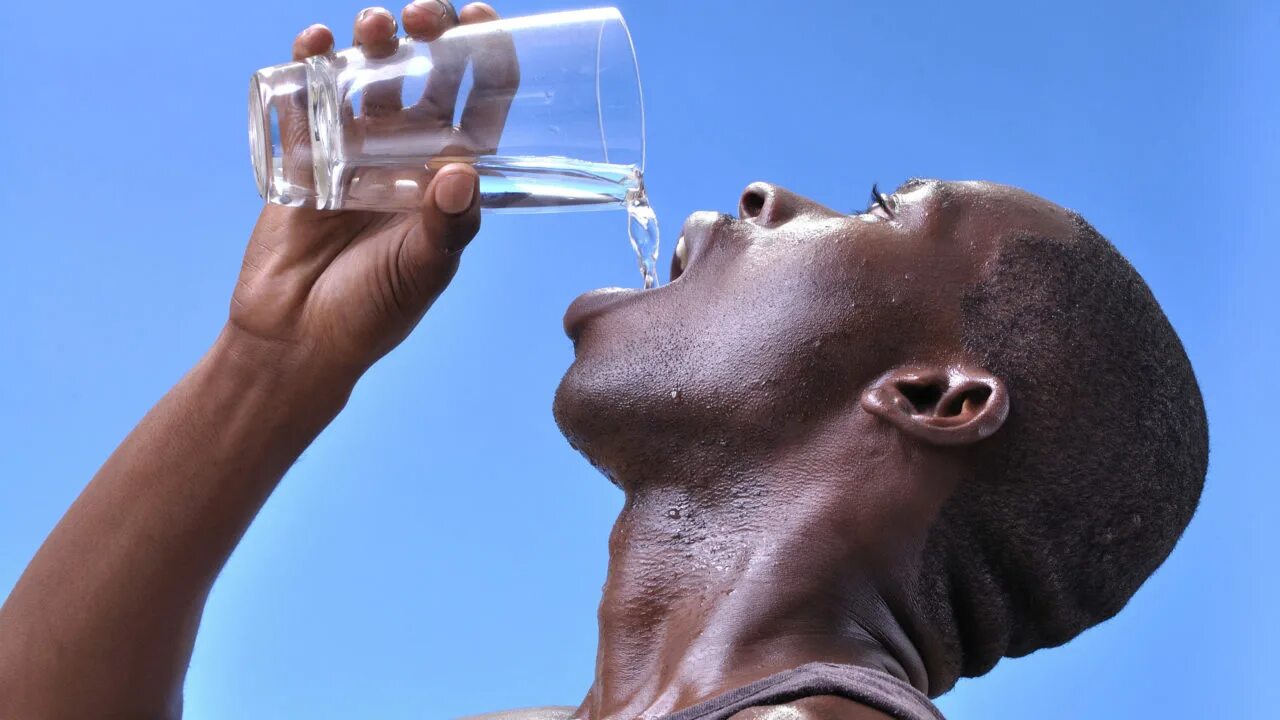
pixel 439 550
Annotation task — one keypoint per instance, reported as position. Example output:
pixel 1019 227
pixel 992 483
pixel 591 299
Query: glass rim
pixel 613 14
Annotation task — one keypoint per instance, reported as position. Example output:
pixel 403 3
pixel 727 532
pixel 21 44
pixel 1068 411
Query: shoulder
pixel 558 712
pixel 822 707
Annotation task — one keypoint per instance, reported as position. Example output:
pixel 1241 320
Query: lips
pixel 592 304
pixel 696 235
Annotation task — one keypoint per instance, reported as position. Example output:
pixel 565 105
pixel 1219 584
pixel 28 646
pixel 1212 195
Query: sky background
pixel 440 549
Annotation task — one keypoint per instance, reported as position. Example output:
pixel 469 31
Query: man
pixel 863 455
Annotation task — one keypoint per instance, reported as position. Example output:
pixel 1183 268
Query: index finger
pixel 315 40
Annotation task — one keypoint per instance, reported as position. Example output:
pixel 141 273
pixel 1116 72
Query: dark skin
pixel 785 418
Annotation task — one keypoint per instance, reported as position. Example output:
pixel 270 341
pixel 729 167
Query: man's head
pixel 992 401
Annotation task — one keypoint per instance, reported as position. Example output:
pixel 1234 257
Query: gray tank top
pixel 873 688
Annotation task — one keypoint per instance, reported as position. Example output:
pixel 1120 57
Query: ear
pixel 956 405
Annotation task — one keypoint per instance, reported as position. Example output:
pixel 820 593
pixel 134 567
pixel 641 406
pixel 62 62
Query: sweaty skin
pixel 759 412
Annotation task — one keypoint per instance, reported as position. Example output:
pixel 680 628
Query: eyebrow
pixel 912 184
pixel 918 182
pixel 942 191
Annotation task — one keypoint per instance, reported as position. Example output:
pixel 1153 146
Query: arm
pixel 103 621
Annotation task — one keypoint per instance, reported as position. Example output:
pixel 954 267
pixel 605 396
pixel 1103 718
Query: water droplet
pixel 674 513
pixel 675 394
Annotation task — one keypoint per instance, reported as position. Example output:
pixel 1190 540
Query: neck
pixel 714 586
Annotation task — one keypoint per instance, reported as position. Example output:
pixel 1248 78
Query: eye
pixel 879 200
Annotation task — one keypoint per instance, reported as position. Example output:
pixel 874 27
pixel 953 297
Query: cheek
pixel 776 350
pixel 759 346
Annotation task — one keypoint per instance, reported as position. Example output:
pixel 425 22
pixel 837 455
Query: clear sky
pixel 440 549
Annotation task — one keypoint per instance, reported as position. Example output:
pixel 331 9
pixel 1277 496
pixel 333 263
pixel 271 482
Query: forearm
pixel 102 622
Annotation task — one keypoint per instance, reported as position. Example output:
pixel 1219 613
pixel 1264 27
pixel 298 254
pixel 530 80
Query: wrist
pixel 279 370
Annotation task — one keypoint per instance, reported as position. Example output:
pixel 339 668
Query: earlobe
pixel 954 405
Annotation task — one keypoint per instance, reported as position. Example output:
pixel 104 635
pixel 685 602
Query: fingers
pixel 493 57
pixel 496 74
pixel 477 13
pixel 295 130
pixel 374 32
pixel 431 19
pixel 450 212
pixel 315 40
pixel 427 20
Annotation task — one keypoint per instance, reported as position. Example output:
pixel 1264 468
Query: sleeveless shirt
pixel 874 688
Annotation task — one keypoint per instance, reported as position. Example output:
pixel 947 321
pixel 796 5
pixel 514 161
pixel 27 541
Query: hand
pixel 334 291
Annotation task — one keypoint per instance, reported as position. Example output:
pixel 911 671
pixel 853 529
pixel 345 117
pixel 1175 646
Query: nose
pixel 769 205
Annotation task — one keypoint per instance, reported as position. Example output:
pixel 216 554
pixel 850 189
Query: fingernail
pixel 446 9
pixel 318 28
pixel 431 6
pixel 455 192
pixel 379 11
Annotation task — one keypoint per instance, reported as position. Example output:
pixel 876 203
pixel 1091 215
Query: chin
pixel 666 372
pixel 615 404
pixel 633 406
pixel 597 406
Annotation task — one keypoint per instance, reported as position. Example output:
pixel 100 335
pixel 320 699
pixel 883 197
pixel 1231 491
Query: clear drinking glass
pixel 548 108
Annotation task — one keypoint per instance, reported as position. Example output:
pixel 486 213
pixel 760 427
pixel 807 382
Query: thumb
pixel 450 217
pixel 451 209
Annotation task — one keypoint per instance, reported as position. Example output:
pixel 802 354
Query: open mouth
pixel 695 236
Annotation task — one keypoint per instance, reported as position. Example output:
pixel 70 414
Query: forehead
pixel 978 209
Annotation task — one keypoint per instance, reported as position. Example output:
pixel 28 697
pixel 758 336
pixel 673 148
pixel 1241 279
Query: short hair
pixel 1097 471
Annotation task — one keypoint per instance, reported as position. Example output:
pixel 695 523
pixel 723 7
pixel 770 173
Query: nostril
pixel 753 201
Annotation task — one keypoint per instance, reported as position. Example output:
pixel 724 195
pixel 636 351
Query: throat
pixel 705 595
